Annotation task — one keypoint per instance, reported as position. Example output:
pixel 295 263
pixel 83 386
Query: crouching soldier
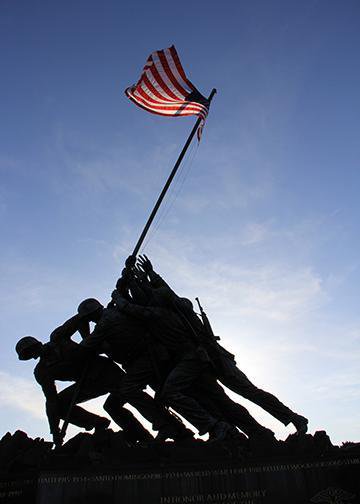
pixel 65 360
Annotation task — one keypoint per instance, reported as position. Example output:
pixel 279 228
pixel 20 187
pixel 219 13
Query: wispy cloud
pixel 22 394
pixel 270 291
pixel 254 232
pixel 102 170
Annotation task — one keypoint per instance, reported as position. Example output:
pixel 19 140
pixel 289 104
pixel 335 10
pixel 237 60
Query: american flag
pixel 164 89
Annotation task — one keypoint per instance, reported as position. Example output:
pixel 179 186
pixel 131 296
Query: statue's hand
pixel 144 262
pixel 130 261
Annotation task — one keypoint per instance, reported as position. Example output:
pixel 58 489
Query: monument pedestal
pixel 329 480
pixel 333 480
pixel 104 470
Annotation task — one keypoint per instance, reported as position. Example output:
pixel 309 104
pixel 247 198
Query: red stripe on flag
pixel 154 91
pixel 179 67
pixel 170 75
pixel 142 92
pixel 159 80
pixel 155 111
pixel 145 95
pixel 163 88
pixel 194 107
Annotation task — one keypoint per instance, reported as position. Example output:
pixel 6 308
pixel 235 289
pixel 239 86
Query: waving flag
pixel 164 89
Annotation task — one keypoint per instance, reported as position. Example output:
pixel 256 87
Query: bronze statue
pixel 159 341
pixel 223 361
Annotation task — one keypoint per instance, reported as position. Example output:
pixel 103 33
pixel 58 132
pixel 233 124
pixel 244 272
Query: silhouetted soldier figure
pixel 174 390
pixel 227 371
pixel 234 379
pixel 123 339
pixel 189 385
pixel 190 368
pixel 64 360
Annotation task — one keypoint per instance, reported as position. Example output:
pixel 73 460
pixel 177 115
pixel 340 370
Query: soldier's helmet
pixel 25 346
pixel 88 306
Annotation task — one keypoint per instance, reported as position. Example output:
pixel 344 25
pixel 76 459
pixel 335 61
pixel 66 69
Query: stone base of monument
pixel 104 470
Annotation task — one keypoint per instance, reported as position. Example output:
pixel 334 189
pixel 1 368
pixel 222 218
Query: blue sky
pixel 262 222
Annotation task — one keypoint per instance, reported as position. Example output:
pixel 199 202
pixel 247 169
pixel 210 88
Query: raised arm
pixel 65 332
pixel 96 338
pixel 155 279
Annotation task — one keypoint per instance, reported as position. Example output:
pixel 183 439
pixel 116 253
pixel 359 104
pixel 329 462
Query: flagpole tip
pixel 213 92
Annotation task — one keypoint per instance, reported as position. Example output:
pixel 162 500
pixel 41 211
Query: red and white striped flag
pixel 164 89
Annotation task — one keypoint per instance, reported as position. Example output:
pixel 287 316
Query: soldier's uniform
pixel 224 364
pixel 226 368
pixel 189 387
pixel 233 378
pixel 64 360
pixel 124 339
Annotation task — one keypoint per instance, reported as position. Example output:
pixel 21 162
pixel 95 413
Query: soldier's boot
pixel 133 430
pixel 220 431
pixel 263 442
pixel 184 434
pixel 99 424
pixel 300 423
pixel 263 436
pixel 137 435
pixel 102 424
pixel 175 432
pixel 234 433
pixel 181 433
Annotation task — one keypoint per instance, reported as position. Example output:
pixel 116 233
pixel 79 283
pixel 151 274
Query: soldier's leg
pixel 133 429
pixel 175 393
pixel 79 416
pixel 238 382
pixel 129 389
pixel 108 377
pixel 102 376
pixel 212 396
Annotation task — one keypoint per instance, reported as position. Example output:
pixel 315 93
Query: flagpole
pixel 168 182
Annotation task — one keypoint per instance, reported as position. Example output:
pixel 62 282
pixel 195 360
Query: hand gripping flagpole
pixel 168 182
